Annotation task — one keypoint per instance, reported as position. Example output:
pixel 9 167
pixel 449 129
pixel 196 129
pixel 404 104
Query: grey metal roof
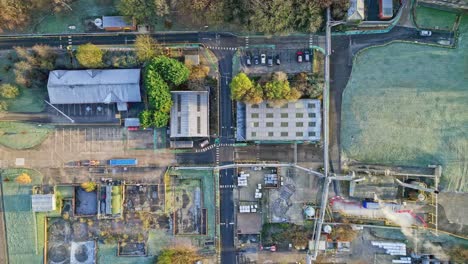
pixel 115 21
pixel 189 114
pixel 94 86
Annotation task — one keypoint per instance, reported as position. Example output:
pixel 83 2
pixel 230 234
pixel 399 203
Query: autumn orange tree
pixel 23 178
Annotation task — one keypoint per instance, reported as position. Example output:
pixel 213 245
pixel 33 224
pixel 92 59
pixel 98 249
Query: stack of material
pixel 402 260
pixel 258 194
pixel 271 179
pixel 242 180
pixel 244 209
pixel 394 249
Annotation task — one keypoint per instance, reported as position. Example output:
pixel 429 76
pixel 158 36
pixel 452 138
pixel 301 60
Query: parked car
pixel 263 59
pixel 277 59
pixel 307 55
pixel 256 60
pixel 204 143
pixel 299 56
pixel 248 60
pixel 270 61
pixel 425 33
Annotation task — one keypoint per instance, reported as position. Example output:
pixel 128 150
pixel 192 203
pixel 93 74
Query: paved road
pixel 228 250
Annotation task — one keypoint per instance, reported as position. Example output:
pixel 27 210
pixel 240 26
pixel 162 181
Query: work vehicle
pixel 299 56
pixel 123 162
pixel 263 59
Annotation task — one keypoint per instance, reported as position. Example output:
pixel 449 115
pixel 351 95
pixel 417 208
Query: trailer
pixel 123 162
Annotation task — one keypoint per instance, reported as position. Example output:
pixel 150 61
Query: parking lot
pixel 84 113
pixel 288 61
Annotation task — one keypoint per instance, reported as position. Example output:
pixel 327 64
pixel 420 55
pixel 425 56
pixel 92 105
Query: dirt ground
pixel 289 200
pixel 72 144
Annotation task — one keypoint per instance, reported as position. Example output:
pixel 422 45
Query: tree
pixel 8 91
pixel 171 70
pixel 339 8
pixel 14 14
pixel 88 186
pixel 272 16
pixel 159 95
pixel 308 86
pixel 198 72
pixel 144 11
pixel 147 48
pixel 308 15
pixel 146 120
pixel 89 56
pixel 458 254
pixel 160 119
pixel 182 255
pixel 3 106
pixel 240 86
pixel 23 178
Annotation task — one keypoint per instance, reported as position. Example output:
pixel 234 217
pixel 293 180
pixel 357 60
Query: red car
pixel 299 56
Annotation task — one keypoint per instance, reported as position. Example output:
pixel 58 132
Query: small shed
pixel 386 9
pixel 132 123
pixel 43 202
pixel 118 23
pixel 356 11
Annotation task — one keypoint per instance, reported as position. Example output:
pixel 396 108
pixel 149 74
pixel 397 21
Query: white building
pixel 43 202
pixel 300 120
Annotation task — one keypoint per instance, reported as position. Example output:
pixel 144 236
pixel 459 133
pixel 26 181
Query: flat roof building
pixel 300 120
pixel 43 202
pixel 95 86
pixel 189 114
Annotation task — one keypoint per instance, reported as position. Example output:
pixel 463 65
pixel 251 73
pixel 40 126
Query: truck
pixel 123 162
pixel 370 205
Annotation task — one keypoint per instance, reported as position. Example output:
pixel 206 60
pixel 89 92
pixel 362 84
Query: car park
pixel 299 56
pixel 425 33
pixel 270 61
pixel 256 60
pixel 263 59
pixel 307 55
pixel 277 60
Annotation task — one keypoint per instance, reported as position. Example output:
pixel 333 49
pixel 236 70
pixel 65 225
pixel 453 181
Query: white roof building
pixel 356 10
pixel 94 86
pixel 189 114
pixel 43 202
pixel 300 120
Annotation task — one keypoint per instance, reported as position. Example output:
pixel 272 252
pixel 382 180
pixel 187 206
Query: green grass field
pixel 19 219
pixel 81 10
pixel 30 99
pixel 433 18
pixel 22 135
pixel 407 104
